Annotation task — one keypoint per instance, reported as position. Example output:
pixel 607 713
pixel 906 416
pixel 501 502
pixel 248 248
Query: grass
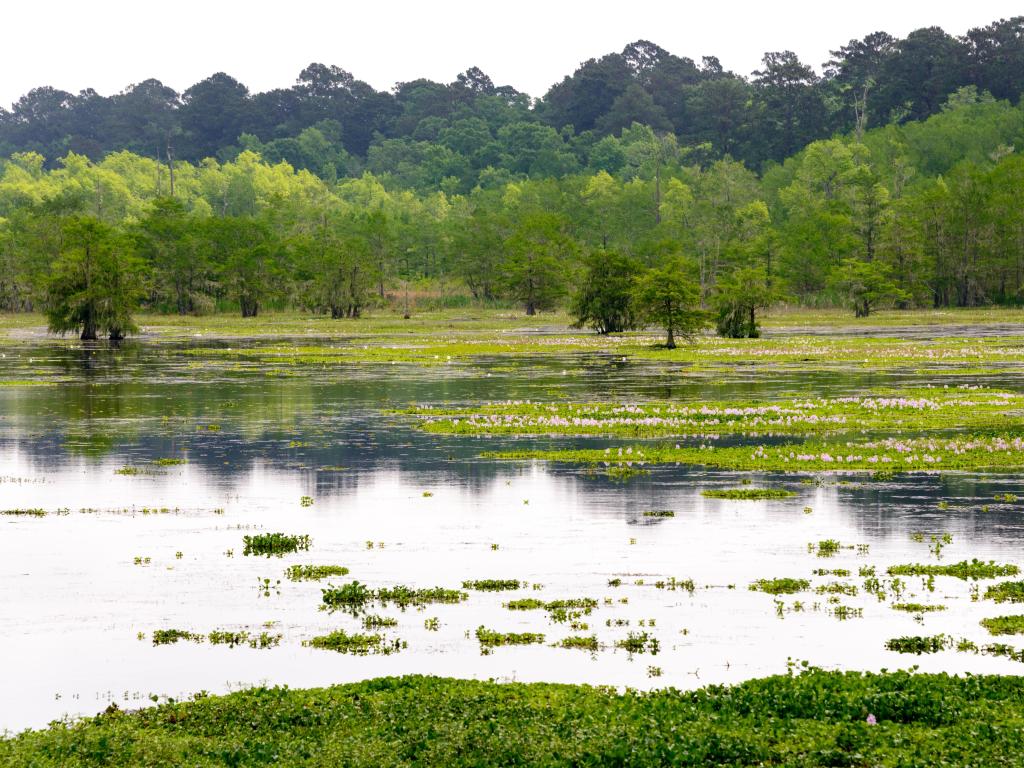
pixel 274 544
pixel 815 718
pixel 974 569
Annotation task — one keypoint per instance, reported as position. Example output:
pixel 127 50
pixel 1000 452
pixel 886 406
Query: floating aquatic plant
pixel 314 572
pixel 748 494
pixel 274 544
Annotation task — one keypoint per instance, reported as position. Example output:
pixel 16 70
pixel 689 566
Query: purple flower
pixel 872 720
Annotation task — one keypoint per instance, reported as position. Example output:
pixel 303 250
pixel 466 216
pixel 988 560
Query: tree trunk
pixel 531 309
pixel 88 329
pixel 671 342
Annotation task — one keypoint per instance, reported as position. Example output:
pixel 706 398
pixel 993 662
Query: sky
pixel 109 44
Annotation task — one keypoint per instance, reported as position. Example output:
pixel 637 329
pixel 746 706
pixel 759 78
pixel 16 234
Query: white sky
pixel 529 44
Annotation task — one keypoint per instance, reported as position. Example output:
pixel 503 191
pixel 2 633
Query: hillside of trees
pixel 424 134
pixel 894 179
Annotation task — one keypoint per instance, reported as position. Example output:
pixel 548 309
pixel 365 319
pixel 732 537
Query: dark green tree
pixel 604 300
pixel 665 296
pixel 95 283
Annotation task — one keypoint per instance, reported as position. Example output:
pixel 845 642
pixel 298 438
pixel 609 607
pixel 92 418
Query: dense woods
pixel 893 178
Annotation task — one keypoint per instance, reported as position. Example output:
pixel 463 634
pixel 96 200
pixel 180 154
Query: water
pixel 74 600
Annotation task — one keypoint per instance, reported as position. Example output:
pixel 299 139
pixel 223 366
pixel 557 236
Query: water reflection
pixel 75 600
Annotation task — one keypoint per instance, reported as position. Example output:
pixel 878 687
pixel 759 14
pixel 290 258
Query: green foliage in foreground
pixel 817 718
pixel 975 569
pixel 749 494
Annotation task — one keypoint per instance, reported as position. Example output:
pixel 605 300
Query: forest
pixel 642 184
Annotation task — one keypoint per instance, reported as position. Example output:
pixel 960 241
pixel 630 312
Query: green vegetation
pixel 1006 592
pixel 349 597
pixel 784 586
pixel 919 409
pixel 1004 625
pixel 815 717
pixel 639 642
pixel 724 191
pixel 171 636
pixel 353 596
pixel 359 645
pixel 659 513
pixel 275 544
pixel 29 512
pixel 169 462
pixel 490 639
pixel 379 622
pixel 748 494
pixel 919 645
pixel 964 453
pixel 314 572
pixel 579 642
pixel 917 607
pixel 525 604
pixel 493 585
pixel 975 569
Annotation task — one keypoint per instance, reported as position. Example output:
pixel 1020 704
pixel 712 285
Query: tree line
pixel 471 132
pixel 923 213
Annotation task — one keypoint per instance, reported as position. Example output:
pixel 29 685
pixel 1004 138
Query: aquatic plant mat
pixel 809 719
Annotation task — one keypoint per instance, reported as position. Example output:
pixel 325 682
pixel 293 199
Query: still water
pixel 397 506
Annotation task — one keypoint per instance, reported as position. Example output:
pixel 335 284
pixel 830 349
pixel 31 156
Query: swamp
pixel 315 504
